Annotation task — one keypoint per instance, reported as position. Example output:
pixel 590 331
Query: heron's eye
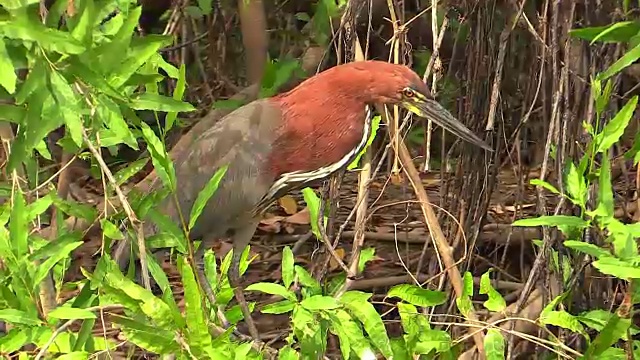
pixel 407 92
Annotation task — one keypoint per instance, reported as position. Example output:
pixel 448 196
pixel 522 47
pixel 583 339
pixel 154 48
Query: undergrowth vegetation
pixel 92 76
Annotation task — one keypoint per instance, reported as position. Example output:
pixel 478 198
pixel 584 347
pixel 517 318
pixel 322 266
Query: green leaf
pixel 76 209
pixel 430 340
pixel 159 157
pixel 148 101
pixel 287 267
pixel 229 104
pixel 375 124
pixel 463 302
pixel 618 268
pixel 14 316
pixel 587 248
pixel 615 329
pixel 494 345
pixel 544 184
pixel 26 29
pixel 8 76
pixel 320 302
pixel 287 353
pixel 307 281
pixel 131 169
pixel 553 220
pixel 147 336
pixel 109 112
pixel 357 303
pixel 350 335
pixel 366 255
pixel 279 307
pixel 616 28
pixel 140 51
pixel 18 227
pixel 417 296
pixel 82 28
pixel 496 301
pixel 313 203
pixel 625 60
pixel 178 93
pixel 605 191
pixel 198 335
pixel 576 185
pixel 54 252
pixel 67 105
pixel 620 33
pixel 39 206
pixel 205 194
pixel 272 289
pixel 598 319
pixel 110 230
pixel 68 313
pixel 562 319
pixel 615 128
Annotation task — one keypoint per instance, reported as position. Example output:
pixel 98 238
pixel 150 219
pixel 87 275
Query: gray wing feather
pixel 242 140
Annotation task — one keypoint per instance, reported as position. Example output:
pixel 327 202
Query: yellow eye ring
pixel 408 92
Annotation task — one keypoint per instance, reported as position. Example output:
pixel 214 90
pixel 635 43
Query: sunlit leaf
pixel 272 289
pixel 8 77
pixel 553 220
pixel 618 268
pixel 615 128
pixel 417 296
pixel 496 301
pixel 288 261
pixel 358 305
pixel 147 101
pixel 494 345
pixel 624 61
pixel 319 302
pixel 67 313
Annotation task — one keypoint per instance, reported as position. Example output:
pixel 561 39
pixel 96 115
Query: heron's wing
pixel 243 141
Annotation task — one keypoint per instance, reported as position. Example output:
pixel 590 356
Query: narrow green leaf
pixel 178 93
pixel 55 252
pixel 130 170
pixel 198 335
pixel 67 105
pixel 553 220
pixel 615 28
pixel 375 124
pixel 272 289
pixel 110 230
pixel 417 296
pixel 544 184
pixel 159 157
pixel 76 209
pixel 18 226
pixel 67 313
pixel 140 51
pixel 463 302
pixel 575 184
pixel 627 59
pixel 147 101
pixel 205 194
pixel 279 307
pixel 24 28
pixel 287 267
pixel 147 336
pixel 615 329
pixel 307 281
pixel 313 203
pixel 587 248
pixel 366 255
pixel 562 319
pixel 8 76
pixel 39 206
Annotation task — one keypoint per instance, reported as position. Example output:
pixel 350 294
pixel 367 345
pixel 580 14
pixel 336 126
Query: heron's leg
pixel 202 278
pixel 241 239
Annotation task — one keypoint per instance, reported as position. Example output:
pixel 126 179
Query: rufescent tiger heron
pixel 275 145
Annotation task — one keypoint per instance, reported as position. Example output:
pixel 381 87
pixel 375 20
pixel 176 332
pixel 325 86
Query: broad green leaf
pixel 147 101
pixel 76 209
pixel 615 128
pixel 366 255
pixel 68 313
pixel 618 268
pixel 408 316
pixel 620 33
pixel 82 24
pixel 14 316
pixel 617 27
pixel 463 302
pixel 205 194
pixel 288 261
pixel 307 281
pixel 562 319
pixel 279 307
pixel 36 80
pixel 597 319
pixel 287 353
pixel 553 220
pixel 18 226
pixel 417 296
pixel 430 340
pixel 110 230
pixel 358 305
pixel 496 301
pixel 587 248
pixel 320 302
pixel 8 76
pixel 494 345
pixel 350 335
pixel 74 355
pixel 273 289
pixel 198 335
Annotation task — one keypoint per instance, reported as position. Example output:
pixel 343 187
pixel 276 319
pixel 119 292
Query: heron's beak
pixel 431 109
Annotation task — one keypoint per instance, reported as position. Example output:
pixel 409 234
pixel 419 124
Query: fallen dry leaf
pixel 288 204
pixel 301 217
pixel 333 264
